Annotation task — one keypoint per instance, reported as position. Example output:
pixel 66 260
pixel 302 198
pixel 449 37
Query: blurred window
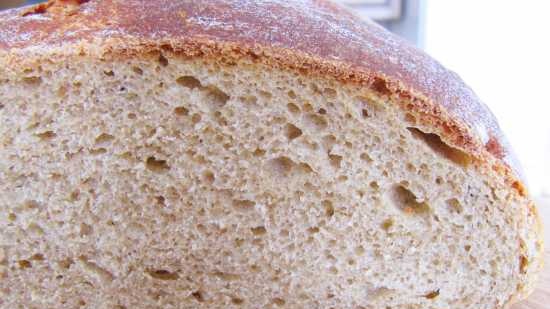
pixel 404 17
pixel 381 10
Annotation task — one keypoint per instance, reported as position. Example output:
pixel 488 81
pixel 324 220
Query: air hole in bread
pixel 329 141
pixel 292 131
pixel 35 229
pixel 255 268
pixel 387 224
pixel 216 96
pixel 104 138
pixel 310 144
pixel 260 243
pixel 313 230
pixel 441 148
pixel 259 152
pixel 305 168
pixel 189 82
pixel 281 166
pixel 131 96
pixel 266 94
pixel 162 274
pixel 30 205
pixel 249 99
pixel 65 264
pixel 98 151
pixel 335 160
pixel 208 177
pixel 181 111
pixel 243 204
pixel 85 229
pixel 61 92
pixel 330 93
pixel 370 108
pixel 316 122
pixel 227 276
pixel 237 301
pixel 432 295
pixel 137 70
pixel 404 200
pixel 291 94
pixel 161 200
pixel 258 231
pixel 46 135
pixel 77 84
pixel 239 242
pixel 293 108
pixel 328 208
pixel 37 257
pixel 380 86
pixel 279 301
pixel 196 118
pixel 366 157
pixel 523 264
pixel 94 270
pixel 162 60
pixel 409 118
pixel 156 165
pixel 33 125
pixel 198 296
pixel 315 88
pixel 359 250
pixel 109 73
pixel 307 107
pixel 278 120
pixel 24 264
pixel 454 206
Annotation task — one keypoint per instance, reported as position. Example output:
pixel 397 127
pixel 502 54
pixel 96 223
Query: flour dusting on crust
pixel 329 37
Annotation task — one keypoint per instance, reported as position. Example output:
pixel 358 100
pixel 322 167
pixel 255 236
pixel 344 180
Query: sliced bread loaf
pixel 247 154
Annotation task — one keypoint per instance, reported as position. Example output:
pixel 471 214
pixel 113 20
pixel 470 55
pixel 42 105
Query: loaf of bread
pixel 247 154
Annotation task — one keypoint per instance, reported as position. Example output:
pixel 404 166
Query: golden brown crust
pixel 311 36
pixel 314 36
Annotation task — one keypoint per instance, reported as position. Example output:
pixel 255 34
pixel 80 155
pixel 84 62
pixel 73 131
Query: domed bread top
pixel 313 36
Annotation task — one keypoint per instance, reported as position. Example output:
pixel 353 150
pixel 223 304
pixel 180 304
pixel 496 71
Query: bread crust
pixel 313 36
pixel 308 36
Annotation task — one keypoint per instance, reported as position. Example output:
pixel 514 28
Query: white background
pixel 502 50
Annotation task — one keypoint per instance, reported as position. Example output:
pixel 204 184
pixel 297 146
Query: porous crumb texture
pixel 163 182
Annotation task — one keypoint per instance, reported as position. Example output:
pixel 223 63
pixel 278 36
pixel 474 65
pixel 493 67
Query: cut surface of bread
pixel 165 179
